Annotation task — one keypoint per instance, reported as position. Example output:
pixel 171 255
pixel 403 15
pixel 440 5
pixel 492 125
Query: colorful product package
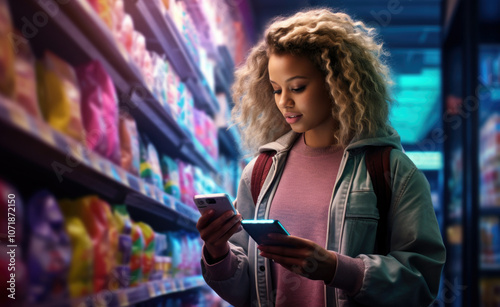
pixel 174 251
pixel 186 175
pixel 99 110
pixel 104 10
pixel 94 214
pixel 26 92
pixel 59 96
pixel 136 261
pixel 129 144
pixel 7 72
pixel 121 274
pixel 81 274
pixel 150 164
pixel 170 172
pixel 159 258
pixel 149 250
pixel 49 251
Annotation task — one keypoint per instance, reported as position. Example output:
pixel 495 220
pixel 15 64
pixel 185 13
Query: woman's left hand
pixel 301 256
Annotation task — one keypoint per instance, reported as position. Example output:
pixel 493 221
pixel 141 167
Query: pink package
pixel 186 176
pixel 99 110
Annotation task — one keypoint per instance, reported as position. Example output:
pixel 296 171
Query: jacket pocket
pixel 360 225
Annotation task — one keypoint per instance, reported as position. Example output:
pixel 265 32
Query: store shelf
pixel 228 143
pixel 224 71
pixel 79 35
pixel 490 211
pixel 131 296
pixel 163 37
pixel 490 269
pixel 70 160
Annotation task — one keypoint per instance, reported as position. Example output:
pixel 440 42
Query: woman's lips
pixel 292 118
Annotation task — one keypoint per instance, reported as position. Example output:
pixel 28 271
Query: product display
pixel 59 96
pixel 99 111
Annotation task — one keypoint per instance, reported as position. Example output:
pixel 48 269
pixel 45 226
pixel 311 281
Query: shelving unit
pixel 132 296
pixel 468 102
pixel 74 32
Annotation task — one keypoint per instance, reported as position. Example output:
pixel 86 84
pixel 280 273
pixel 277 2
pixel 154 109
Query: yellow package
pixel 148 256
pixel 94 213
pixel 59 96
pixel 80 277
pixel 7 75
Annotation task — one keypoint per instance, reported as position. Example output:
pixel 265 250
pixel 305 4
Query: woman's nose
pixel 285 100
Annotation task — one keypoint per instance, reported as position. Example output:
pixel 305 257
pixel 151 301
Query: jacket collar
pixel 391 138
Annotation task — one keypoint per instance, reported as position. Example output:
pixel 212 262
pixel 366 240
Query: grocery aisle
pixel 113 114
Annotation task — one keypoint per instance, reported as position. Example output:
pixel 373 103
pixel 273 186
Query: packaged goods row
pixel 71 248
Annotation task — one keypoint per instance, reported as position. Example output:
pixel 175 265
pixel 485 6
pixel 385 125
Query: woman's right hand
pixel 216 233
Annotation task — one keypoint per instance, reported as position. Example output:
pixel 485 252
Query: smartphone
pixel 219 202
pixel 259 229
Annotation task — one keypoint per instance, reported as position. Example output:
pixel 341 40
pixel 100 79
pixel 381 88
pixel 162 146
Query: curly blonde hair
pixel 348 55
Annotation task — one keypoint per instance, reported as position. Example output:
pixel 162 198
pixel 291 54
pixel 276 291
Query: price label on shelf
pixel 142 187
pixel 151 289
pixel 77 151
pixel 123 176
pixel 44 132
pixel 133 182
pixel 95 162
pixel 162 289
pixel 20 119
pixel 123 298
pixel 114 172
pixel 168 201
pixel 180 285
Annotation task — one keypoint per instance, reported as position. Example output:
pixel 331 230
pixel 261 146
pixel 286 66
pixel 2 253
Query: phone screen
pixel 259 229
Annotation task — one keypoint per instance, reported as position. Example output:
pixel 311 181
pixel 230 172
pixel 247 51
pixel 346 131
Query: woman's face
pixel 302 97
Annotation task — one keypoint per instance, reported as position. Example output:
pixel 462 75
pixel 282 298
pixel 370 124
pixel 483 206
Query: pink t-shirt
pixel 301 204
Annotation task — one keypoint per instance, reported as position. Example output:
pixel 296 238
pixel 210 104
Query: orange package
pixel 7 76
pixel 94 213
pixel 59 96
pixel 25 93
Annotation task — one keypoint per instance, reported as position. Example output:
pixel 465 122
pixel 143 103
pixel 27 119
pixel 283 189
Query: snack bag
pixel 174 251
pixel 150 164
pixel 94 214
pixel 59 96
pixel 149 250
pixel 7 72
pixel 81 272
pixel 26 93
pixel 104 10
pixel 49 250
pixel 123 224
pixel 170 172
pixel 129 144
pixel 99 110
pixel 136 261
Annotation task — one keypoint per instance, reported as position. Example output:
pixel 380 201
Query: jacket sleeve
pixel 236 289
pixel 411 272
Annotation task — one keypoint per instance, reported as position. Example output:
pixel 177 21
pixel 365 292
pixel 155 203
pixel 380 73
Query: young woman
pixel 316 92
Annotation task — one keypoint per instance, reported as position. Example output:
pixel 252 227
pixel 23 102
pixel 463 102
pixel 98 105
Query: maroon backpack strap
pixel 260 171
pixel 378 163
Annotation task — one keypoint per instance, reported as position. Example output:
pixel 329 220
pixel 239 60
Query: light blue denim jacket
pixel 408 276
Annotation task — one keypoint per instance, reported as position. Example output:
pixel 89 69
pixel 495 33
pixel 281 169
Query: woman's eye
pixel 276 92
pixel 298 89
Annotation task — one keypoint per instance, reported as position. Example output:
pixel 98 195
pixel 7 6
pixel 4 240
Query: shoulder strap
pixel 378 164
pixel 260 171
